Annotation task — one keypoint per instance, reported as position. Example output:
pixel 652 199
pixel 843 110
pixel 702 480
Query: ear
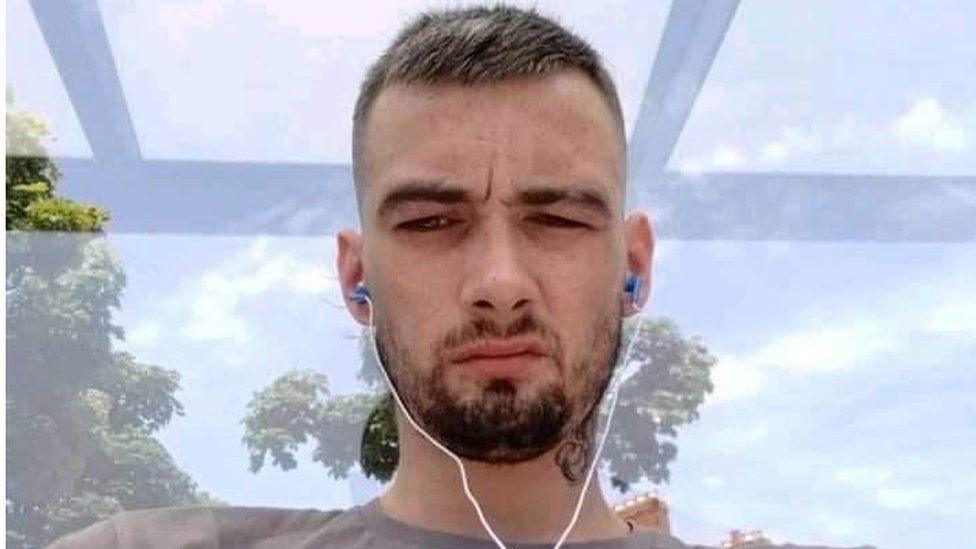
pixel 349 265
pixel 639 244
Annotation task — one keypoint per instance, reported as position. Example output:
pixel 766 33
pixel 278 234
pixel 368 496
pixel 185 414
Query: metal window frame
pixel 199 197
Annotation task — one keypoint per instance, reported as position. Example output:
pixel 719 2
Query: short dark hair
pixel 474 46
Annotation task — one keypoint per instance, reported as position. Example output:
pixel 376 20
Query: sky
pixel 843 382
pixel 842 412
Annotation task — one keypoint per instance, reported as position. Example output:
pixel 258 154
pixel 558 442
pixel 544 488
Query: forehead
pixel 529 131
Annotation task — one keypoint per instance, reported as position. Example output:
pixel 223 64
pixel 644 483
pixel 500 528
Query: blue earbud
pixel 360 294
pixel 632 285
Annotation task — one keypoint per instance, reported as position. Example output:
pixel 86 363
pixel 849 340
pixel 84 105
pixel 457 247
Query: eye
pixel 427 224
pixel 557 221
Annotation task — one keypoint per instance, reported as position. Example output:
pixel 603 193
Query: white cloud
pixel 846 335
pixel 691 167
pixel 956 317
pixel 910 141
pixel 791 142
pixel 728 157
pixel 928 124
pixel 810 349
pixel 774 152
pixel 145 335
pixel 312 279
pixel 713 482
pixel 905 498
pixel 881 481
pixel 824 349
pixel 739 437
pixel 863 476
pixel 183 17
pixel 735 379
pixel 838 526
pixel 215 302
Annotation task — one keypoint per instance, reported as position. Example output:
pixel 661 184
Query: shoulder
pixel 203 527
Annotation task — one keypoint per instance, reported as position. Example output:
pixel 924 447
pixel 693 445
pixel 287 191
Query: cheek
pixel 590 342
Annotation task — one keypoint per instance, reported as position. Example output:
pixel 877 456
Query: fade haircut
pixel 478 45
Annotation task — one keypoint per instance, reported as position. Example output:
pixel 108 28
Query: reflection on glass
pixel 856 88
pixel 825 396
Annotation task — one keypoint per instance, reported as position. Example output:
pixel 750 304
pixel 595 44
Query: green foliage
pixel 665 393
pixel 32 178
pixel 380 450
pixel 80 414
pixel 280 417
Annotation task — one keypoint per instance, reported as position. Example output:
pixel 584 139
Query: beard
pixel 501 423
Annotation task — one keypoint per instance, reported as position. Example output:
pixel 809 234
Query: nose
pixel 498 284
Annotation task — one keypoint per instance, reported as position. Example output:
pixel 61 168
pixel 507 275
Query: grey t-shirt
pixel 360 527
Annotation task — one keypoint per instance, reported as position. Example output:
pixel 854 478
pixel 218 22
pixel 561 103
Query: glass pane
pixel 842 391
pixel 829 367
pixel 276 81
pixel 34 85
pixel 848 87
pixel 152 370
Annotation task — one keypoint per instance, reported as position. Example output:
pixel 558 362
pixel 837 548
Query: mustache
pixel 482 329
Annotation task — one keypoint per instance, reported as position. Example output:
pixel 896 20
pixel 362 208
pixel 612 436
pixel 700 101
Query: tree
pixel 666 392
pixel 32 201
pixel 81 415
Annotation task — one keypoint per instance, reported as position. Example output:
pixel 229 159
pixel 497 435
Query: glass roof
pixel 36 86
pixel 848 87
pixel 220 80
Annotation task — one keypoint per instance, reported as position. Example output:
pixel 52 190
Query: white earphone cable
pixel 464 476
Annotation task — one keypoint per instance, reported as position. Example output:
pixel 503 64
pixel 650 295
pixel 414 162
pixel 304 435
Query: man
pixel 490 165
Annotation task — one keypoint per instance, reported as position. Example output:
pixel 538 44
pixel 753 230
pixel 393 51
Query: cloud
pixel 741 437
pixel 724 157
pixel 735 379
pixel 881 482
pixel 791 142
pixel 825 349
pixel 956 316
pixel 863 476
pixel 713 482
pixel 367 19
pixel 928 124
pixel 145 335
pixel 844 335
pixel 728 157
pixel 905 498
pixel 838 526
pixel 215 302
pixel 181 18
pixel 911 140
pixel 810 349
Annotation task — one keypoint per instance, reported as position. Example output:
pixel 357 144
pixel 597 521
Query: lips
pixel 497 349
pixel 511 358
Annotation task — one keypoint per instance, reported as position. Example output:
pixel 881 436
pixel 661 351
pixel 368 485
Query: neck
pixel 528 502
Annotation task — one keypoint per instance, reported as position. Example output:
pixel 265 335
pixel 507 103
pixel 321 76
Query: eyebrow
pixel 422 191
pixel 547 196
pixel 441 193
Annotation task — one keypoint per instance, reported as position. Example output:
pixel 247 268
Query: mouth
pixel 513 358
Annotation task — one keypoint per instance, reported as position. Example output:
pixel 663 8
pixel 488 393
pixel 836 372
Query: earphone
pixel 360 294
pixel 632 285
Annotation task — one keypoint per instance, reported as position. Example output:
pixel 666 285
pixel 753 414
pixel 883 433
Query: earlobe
pixel 639 241
pixel 349 265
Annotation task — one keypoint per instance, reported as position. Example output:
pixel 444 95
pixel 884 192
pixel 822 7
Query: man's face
pixel 493 246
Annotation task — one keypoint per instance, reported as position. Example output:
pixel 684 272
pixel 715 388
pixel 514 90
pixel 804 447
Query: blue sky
pixel 843 386
pixel 842 412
